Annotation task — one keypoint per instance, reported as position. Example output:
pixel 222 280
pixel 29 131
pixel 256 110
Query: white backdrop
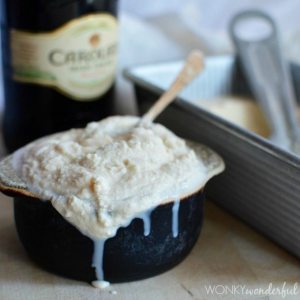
pixel 204 22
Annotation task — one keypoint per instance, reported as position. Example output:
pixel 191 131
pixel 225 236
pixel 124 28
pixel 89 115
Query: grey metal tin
pixel 261 184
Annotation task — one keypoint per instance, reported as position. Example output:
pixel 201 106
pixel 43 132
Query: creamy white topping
pixel 102 176
pixel 243 112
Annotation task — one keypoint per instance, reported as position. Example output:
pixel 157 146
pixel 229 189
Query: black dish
pixel 58 247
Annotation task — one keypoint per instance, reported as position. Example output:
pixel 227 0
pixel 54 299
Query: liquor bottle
pixel 59 62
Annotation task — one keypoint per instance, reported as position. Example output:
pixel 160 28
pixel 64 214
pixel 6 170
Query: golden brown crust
pixel 13 192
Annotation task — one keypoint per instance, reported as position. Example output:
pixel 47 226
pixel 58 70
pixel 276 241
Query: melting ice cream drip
pixel 97 263
pixel 146 217
pixel 99 244
pixel 175 216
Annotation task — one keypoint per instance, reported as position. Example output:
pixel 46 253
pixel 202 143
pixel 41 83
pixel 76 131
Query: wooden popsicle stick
pixel 192 67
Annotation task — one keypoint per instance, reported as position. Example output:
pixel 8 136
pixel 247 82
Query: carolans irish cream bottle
pixel 59 62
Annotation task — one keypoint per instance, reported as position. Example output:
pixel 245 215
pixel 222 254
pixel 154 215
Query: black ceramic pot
pixel 58 247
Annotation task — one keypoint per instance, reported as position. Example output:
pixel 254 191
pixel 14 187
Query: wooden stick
pixel 193 65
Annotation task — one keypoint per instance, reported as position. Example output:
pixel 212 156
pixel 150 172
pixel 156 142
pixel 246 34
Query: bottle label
pixel 78 59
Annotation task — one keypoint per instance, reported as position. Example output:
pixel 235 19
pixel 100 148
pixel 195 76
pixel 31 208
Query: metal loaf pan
pixel 261 184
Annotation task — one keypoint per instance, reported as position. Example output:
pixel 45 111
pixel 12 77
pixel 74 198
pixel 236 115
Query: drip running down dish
pixel 118 184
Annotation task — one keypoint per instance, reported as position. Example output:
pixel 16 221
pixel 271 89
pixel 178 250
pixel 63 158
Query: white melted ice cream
pixel 101 176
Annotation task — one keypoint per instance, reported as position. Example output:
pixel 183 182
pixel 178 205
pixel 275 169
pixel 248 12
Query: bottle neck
pixel 46 15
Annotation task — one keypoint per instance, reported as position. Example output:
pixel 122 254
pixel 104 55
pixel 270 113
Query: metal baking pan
pixel 261 184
